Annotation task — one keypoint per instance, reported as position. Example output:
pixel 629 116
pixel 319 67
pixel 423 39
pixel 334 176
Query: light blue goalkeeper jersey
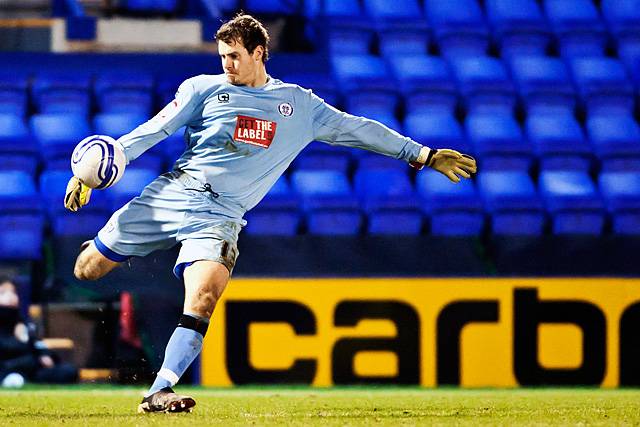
pixel 240 139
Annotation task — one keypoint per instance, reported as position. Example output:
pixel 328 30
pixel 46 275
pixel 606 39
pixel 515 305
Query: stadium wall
pixel 471 332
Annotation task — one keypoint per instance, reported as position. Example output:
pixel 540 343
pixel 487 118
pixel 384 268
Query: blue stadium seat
pixel 409 42
pixel 388 198
pixel 151 6
pixel 616 141
pixel 277 214
pixel 62 92
pixel 543 84
pixel 513 203
pixel 425 83
pixel 15 136
pixel 623 19
pixel 484 84
pixel 559 142
pixel 573 202
pixel 124 91
pixel 340 25
pixel 367 85
pixel 437 130
pixel 454 209
pixel 57 134
pixel 275 7
pixel 134 180
pixel 518 26
pixel 621 193
pixel 321 84
pixel 21 236
pixel 328 202
pixel 13 93
pixel 16 188
pixel 577 26
pixel 498 142
pixel 20 162
pixel 603 85
pixel 459 27
pixel 119 124
pixel 401 15
pixel 85 224
pixel 322 160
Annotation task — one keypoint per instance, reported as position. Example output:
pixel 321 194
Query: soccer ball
pixel 98 161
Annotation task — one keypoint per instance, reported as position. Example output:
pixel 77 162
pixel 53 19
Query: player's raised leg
pixel 204 283
pixel 91 264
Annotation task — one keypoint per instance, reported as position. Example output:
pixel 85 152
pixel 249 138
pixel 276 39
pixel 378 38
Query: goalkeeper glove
pixel 77 194
pixel 449 162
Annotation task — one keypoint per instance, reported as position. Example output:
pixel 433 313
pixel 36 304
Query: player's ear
pixel 258 52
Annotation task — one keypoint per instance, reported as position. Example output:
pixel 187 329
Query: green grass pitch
pixel 116 407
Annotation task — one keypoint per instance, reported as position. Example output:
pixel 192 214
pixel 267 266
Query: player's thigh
pixel 204 282
pixel 91 264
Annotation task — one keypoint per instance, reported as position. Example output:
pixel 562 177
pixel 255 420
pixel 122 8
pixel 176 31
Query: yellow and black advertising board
pixel 468 332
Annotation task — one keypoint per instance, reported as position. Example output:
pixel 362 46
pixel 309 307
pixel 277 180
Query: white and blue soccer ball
pixel 98 161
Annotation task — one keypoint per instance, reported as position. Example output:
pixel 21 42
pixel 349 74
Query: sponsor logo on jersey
pixel 223 97
pixel 254 131
pixel 285 109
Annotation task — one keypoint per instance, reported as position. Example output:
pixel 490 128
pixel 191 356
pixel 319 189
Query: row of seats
pixel 383 201
pixel 554 141
pixel 463 26
pixel 364 81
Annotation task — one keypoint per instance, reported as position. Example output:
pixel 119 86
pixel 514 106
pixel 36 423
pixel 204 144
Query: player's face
pixel 238 64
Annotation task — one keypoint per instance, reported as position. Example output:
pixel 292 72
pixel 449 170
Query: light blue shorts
pixel 174 208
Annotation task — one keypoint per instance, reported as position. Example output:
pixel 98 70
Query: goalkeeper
pixel 243 129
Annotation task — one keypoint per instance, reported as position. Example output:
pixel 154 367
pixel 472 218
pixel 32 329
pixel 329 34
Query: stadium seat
pixel 13 93
pixel 408 41
pixel 616 141
pixel 518 27
pixel 403 15
pixel 62 92
pixel 277 214
pixel 322 160
pixel 134 180
pixel 15 136
pixel 321 84
pixel 577 26
pixel 18 193
pixel 124 91
pixel 329 205
pixel 623 20
pixel 119 124
pixel 513 203
pixel 57 134
pixel 368 160
pixel 621 193
pixel 20 162
pixel 543 84
pixel 151 6
pixel 437 130
pixel 559 142
pixel 273 7
pixel 367 85
pixel 454 209
pixel 425 83
pixel 573 202
pixel 498 142
pixel 21 236
pixel 484 84
pixel 459 27
pixel 340 25
pixel 389 201
pixel 603 85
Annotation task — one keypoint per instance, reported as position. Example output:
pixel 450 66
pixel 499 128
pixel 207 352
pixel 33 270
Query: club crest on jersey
pixel 285 109
pixel 254 131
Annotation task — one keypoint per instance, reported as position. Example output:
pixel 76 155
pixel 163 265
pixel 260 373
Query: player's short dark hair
pixel 248 31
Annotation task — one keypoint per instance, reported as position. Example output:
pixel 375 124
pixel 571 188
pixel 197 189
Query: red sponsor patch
pixel 254 131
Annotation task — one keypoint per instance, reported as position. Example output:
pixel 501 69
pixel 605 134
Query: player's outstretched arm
pixel 451 163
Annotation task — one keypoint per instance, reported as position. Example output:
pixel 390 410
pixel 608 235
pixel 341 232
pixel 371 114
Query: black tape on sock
pixel 193 323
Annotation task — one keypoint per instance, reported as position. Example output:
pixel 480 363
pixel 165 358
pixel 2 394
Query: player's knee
pixel 205 303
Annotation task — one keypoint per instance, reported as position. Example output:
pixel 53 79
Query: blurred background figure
pixel 22 356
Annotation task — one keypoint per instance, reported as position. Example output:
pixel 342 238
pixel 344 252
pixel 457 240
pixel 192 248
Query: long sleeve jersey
pixel 240 139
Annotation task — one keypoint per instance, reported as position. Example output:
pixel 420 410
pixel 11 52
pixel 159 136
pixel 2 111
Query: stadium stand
pixel 578 27
pixel 62 92
pixel 459 28
pixel 58 133
pixel 621 193
pixel 13 93
pixel 124 91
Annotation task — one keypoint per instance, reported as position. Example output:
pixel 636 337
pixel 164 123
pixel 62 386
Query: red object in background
pixel 128 330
